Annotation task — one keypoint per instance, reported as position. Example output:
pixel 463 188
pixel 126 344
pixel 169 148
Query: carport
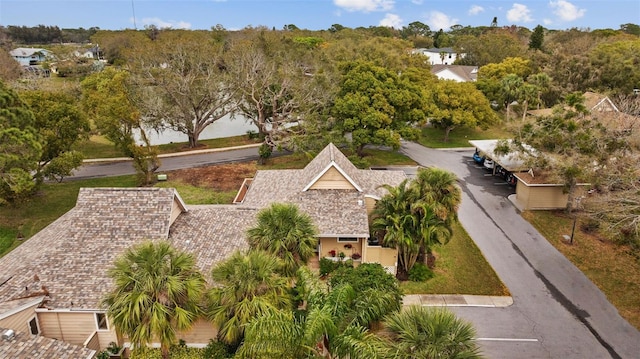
pixel 510 162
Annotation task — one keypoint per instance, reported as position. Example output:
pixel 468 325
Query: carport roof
pixel 510 162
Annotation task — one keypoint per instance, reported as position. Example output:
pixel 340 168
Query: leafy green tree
pixel 490 47
pixel 426 333
pixel 376 106
pixel 107 97
pixel 537 38
pixel 20 147
pixel 460 104
pixel 157 291
pixel 633 29
pixel 62 125
pixel 285 232
pixel 247 286
pixel 511 86
pixel 617 66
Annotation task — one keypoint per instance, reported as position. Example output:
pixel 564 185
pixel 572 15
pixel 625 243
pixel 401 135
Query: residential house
pixel 93 52
pixel 440 56
pixel 52 284
pixel 30 56
pixel 21 345
pixel 458 73
pixel 593 102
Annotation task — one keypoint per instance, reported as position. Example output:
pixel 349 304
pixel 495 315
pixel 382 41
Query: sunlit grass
pixel 434 137
pixel 460 269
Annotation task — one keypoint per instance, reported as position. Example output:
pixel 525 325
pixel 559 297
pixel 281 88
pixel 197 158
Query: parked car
pixel 489 164
pixel 478 158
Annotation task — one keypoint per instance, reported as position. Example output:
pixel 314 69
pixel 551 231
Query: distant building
pixel 440 56
pixel 458 73
pixel 30 56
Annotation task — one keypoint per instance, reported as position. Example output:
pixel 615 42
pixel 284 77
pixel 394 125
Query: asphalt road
pixel 557 312
pixel 167 163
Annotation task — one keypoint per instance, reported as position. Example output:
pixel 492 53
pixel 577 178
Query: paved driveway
pixel 557 312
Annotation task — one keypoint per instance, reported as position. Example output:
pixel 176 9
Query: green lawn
pixel 460 269
pixel 434 137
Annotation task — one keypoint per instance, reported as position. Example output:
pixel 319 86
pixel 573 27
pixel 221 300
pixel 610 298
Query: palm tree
pixel 425 333
pixel 439 198
pixel 331 323
pixel 392 217
pixel 248 286
pixel 285 232
pixel 158 291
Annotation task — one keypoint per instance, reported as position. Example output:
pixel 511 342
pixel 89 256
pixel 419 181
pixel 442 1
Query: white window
pixel 347 240
pixel 101 321
pixel 34 328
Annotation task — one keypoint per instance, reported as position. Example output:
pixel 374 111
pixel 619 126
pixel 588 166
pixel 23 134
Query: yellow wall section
pixel 19 322
pixel 332 179
pixel 72 327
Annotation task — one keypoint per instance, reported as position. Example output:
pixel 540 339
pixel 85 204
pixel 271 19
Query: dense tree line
pixel 46 35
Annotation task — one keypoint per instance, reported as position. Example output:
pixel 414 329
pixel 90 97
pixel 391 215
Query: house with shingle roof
pixel 28 56
pixel 22 345
pixel 52 285
pixel 440 56
pixel 458 73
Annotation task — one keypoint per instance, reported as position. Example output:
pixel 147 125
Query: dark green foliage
pixel 420 273
pixel 366 276
pixel 327 266
pixel 215 350
pixel 537 38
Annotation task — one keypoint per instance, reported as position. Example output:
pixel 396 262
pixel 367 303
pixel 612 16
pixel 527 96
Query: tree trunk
pixel 447 130
pixel 164 351
pixel 524 113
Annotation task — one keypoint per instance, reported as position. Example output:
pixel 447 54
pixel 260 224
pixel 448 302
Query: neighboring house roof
pixel 68 259
pixel 437 50
pixel 593 102
pixel 28 51
pixel 12 307
pixel 598 102
pixel 27 346
pixel 458 73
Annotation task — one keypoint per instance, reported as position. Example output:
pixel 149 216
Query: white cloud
pixel 166 24
pixel 391 20
pixel 566 10
pixel 475 10
pixel 519 13
pixel 417 2
pixel 547 21
pixel 438 20
pixel 365 5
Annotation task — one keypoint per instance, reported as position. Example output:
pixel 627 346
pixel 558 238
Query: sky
pixel 318 14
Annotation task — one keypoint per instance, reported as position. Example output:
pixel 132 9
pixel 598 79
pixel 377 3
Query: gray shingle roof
pixel 27 346
pixel 68 259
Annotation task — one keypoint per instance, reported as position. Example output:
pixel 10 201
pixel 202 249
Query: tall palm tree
pixel 438 200
pixel 426 333
pixel 392 217
pixel 285 232
pixel 158 291
pixel 248 285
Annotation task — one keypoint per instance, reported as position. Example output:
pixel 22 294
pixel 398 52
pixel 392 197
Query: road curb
pixel 457 300
pixel 174 154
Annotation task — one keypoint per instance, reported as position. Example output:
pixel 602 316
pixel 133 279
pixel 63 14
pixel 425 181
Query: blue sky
pixel 318 14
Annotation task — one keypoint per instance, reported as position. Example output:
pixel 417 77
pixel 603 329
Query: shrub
pixel 364 276
pixel 215 350
pixel 327 266
pixel 420 273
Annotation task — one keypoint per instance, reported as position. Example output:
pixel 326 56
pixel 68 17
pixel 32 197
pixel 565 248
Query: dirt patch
pixel 224 177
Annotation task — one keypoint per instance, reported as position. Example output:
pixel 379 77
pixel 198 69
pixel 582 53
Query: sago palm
pixel 285 232
pixel 158 291
pixel 427 333
pixel 247 286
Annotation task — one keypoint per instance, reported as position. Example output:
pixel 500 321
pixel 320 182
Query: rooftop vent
pixel 8 334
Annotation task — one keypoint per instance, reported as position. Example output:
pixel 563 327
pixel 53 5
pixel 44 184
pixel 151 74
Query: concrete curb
pixel 457 300
pixel 174 154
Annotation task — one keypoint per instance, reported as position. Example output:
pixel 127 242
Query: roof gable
pixel 330 157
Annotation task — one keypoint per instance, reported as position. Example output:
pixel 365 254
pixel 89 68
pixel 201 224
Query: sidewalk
pixel 457 300
pixel 174 154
